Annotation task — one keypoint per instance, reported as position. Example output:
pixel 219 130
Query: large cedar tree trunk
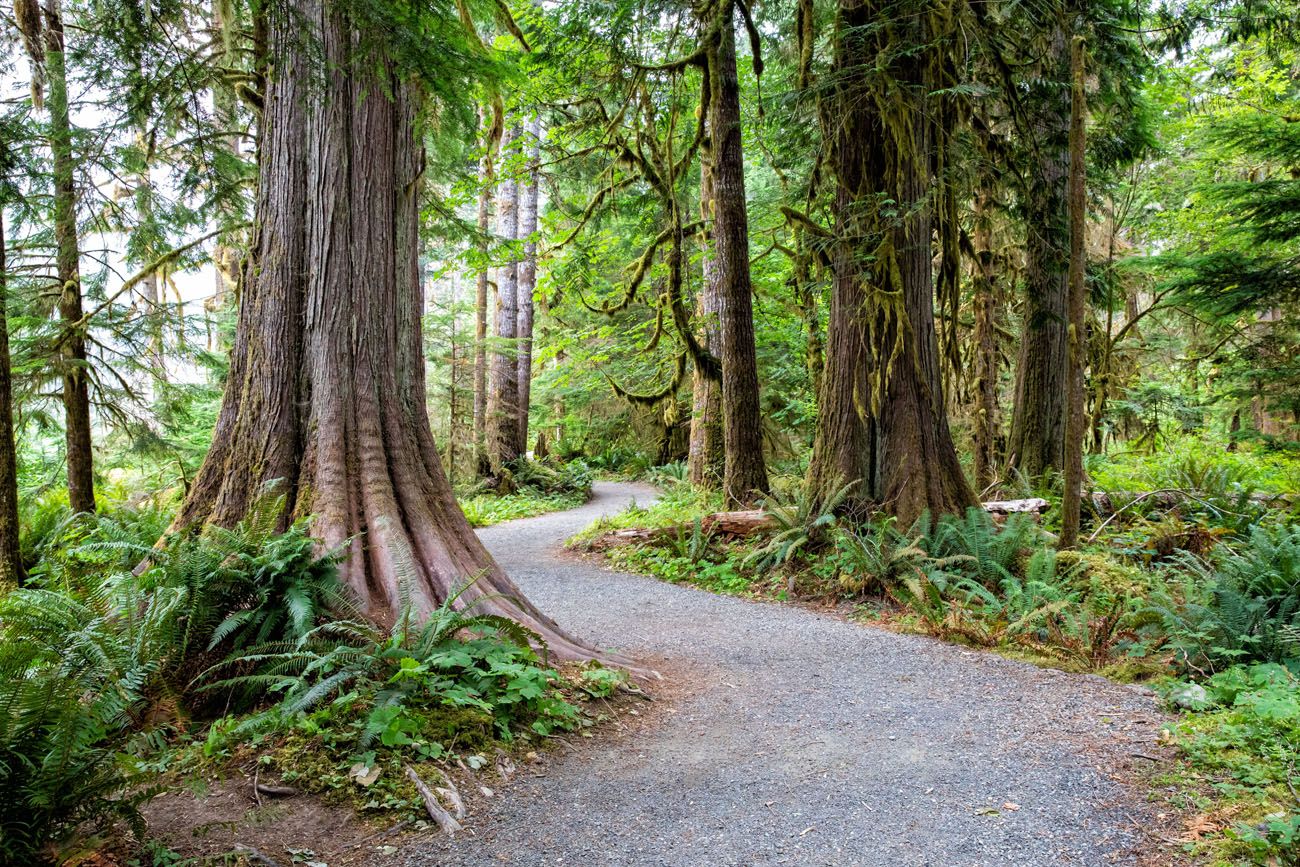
pixel 882 425
pixel 528 274
pixel 72 341
pixel 326 390
pixel 504 445
pixel 705 461
pixel 1037 441
pixel 744 473
pixel 11 567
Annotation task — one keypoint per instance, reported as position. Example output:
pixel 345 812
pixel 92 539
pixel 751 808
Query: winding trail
pixel 790 737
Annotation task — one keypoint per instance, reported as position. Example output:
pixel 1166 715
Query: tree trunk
pixel 326 393
pixel 1037 442
pixel 988 421
pixel 1070 511
pixel 744 473
pixel 11 566
pixel 705 455
pixel 528 274
pixel 504 446
pixel 486 173
pixel 882 424
pixel 72 341
pixel 805 293
pixel 225 256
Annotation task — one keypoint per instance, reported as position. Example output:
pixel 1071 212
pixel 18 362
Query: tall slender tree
pixel 326 396
pixel 503 399
pixel 745 472
pixel 43 35
pixel 11 567
pixel 705 453
pixel 528 198
pixel 491 122
pixel 1078 303
pixel 1037 440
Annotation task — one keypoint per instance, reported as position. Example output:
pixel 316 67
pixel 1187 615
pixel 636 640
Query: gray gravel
pixel 791 737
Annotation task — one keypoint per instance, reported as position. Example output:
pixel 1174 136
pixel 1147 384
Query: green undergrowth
pixel 484 510
pixel 1240 742
pixel 235 646
pixel 534 488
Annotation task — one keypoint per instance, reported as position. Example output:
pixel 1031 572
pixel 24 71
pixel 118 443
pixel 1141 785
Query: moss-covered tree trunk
pixel 326 390
pixel 1037 440
pixel 11 567
pixel 987 353
pixel 705 460
pixel 882 425
pixel 744 472
pixel 72 341
pixel 1071 498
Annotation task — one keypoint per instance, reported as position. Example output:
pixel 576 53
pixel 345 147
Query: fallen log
pixel 1031 505
pixel 745 523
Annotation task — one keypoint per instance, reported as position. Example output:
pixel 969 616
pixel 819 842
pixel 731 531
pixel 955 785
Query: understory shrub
pixel 1241 605
pixel 1245 738
pixel 101 669
pixel 93 662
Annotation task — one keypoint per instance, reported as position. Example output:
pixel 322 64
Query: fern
pixel 1242 605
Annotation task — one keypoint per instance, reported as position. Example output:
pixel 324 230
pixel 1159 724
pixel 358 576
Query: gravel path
pixel 790 737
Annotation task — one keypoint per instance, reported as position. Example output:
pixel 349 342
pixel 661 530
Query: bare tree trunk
pixel 988 420
pixel 492 128
pixel 745 473
pixel 11 566
pixel 327 388
pixel 528 274
pixel 72 341
pixel 1070 507
pixel 705 455
pixel 1037 441
pixel 882 423
pixel 503 416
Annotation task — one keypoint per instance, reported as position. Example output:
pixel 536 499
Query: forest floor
pixel 783 735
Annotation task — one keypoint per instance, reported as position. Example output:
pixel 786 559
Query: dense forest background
pixel 313 267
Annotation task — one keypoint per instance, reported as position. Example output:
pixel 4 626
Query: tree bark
pixel 72 341
pixel 486 174
pixel 705 455
pixel 988 421
pixel 1071 506
pixel 882 425
pixel 744 472
pixel 1037 441
pixel 504 446
pixel 326 394
pixel 528 274
pixel 11 566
